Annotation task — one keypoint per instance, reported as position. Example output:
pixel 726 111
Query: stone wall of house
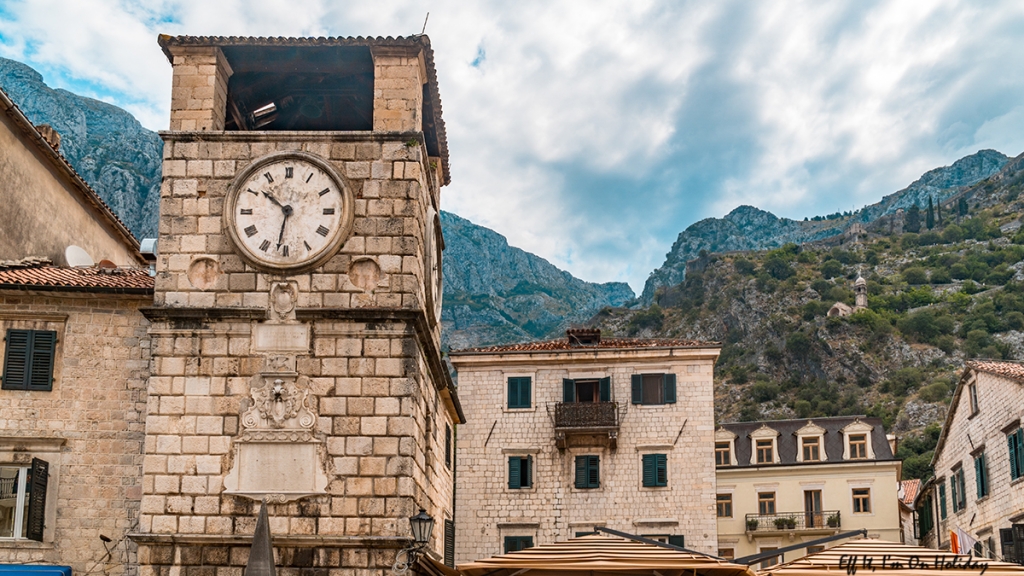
pixel 365 349
pixel 1000 409
pixel 89 427
pixel 553 509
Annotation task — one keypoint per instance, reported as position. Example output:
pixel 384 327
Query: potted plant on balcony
pixel 833 521
pixel 781 523
pixel 752 524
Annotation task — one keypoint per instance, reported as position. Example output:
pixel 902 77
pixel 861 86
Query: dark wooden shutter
pixel 963 489
pixel 513 392
pixel 637 382
pixel 514 472
pixel 668 382
pixel 581 472
pixel 568 390
pixel 650 475
pixel 44 344
pixel 606 389
pixel 524 392
pixel 593 471
pixel 449 543
pixel 942 500
pixel 16 359
pixel 510 544
pixel 1011 444
pixel 39 475
pixel 1018 543
pixel 677 540
pixel 661 469
pixel 528 471
pixel 447 445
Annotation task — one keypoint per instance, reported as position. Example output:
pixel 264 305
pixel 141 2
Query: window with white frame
pixel 857 445
pixel 811 443
pixel 23 500
pixel 725 448
pixel 764 447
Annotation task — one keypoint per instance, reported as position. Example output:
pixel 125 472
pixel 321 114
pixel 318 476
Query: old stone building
pixel 790 481
pixel 75 362
pixel 978 485
pixel 295 328
pixel 566 435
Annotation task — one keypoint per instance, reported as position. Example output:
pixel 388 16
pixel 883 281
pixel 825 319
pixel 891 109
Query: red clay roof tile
pixel 1013 370
pixel 24 274
pixel 563 344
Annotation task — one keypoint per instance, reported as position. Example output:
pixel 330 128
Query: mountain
pixel 495 293
pixel 749 228
pixel 118 157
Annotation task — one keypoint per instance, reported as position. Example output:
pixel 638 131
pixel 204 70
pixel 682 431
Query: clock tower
pixel 296 321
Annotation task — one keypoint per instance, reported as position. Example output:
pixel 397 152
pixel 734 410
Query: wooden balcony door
pixel 812 509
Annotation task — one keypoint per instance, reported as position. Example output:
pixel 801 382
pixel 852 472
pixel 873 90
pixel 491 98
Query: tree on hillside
pixel 961 207
pixel 938 213
pixel 929 217
pixel 913 222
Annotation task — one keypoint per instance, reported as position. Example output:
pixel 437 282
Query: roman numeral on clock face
pixel 288 170
pixel 328 211
pixel 247 211
pixel 268 176
pixel 250 231
pixel 265 245
pixel 306 244
pixel 325 191
pixel 322 231
pixel 308 178
pixel 284 250
pixel 251 191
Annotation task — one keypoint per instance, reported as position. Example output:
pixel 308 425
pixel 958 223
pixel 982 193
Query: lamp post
pixel 421 526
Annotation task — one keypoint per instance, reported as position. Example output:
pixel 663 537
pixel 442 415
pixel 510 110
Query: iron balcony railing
pixel 789 521
pixel 570 415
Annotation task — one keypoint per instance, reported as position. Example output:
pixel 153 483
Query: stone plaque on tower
pixel 296 318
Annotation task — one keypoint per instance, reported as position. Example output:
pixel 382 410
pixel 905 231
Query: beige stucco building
pixel 978 485
pixel 790 481
pixel 566 435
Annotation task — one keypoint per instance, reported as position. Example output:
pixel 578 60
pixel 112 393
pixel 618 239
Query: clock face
pixel 289 210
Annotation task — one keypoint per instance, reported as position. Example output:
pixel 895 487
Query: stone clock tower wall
pixel 321 391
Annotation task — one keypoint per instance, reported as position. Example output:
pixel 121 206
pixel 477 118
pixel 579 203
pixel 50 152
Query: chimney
pixel 51 136
pixel 583 336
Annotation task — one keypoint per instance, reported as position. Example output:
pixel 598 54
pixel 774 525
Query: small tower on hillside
pixel 860 290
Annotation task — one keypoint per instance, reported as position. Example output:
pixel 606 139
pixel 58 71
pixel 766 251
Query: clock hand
pixel 287 212
pixel 274 200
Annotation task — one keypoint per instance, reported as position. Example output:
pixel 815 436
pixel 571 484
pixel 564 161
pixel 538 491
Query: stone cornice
pixel 297 541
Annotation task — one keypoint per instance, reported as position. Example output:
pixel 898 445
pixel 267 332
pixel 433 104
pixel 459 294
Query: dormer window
pixel 764 447
pixel 811 448
pixel 858 446
pixel 765 451
pixel 725 448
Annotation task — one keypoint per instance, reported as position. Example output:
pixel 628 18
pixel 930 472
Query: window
pixel 767 562
pixel 724 505
pixel 448 446
pixel 519 392
pixel 517 543
pixel 958 490
pixel 723 454
pixel 655 470
pixel 1015 441
pixel 654 388
pixel 858 446
pixel 28 359
pixel 674 540
pixel 973 391
pixel 766 503
pixel 861 500
pixel 592 390
pixel 942 499
pixel 815 549
pixel 23 500
pixel 727 553
pixel 981 475
pixel 924 518
pixel 520 472
pixel 765 451
pixel 588 471
pixel 811 448
pixel 449 543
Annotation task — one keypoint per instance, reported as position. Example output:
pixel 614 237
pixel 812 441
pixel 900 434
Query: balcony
pixel 586 423
pixel 825 520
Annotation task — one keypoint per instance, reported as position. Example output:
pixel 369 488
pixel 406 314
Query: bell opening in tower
pixel 307 88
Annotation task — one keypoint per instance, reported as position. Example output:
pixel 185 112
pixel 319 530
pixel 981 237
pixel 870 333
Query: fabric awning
pixel 883 558
pixel 599 555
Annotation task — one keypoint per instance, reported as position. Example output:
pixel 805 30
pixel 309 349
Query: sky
pixel 592 133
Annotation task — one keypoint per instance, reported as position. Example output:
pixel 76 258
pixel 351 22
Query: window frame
pixel 514 386
pixel 723 503
pixel 770 447
pixel 727 451
pixel 860 440
pixel 810 442
pixel 654 470
pixel 982 484
pixel 958 491
pixel 517 541
pixel 667 393
pixel 943 513
pixel 31 515
pixel 448 452
pixel 34 359
pixel 590 465
pixel 1015 446
pixel 972 395
pixel 862 500
pixel 520 471
pixel 764 503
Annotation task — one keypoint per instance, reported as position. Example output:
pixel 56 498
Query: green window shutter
pixel 447 445
pixel 669 383
pixel 511 544
pixel 527 478
pixel 678 540
pixel 979 476
pixel 37 484
pixel 661 469
pixel 952 492
pixel 16 359
pixel 513 392
pixel 514 472
pixel 593 472
pixel 606 389
pixel 637 382
pixel 1019 443
pixel 44 345
pixel 942 500
pixel 449 543
pixel 568 390
pixel 1011 445
pixel 519 392
pixel 963 489
pixel 524 392
pixel 650 473
pixel 581 472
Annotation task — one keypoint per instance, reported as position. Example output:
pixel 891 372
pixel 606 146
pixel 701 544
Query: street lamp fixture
pixel 421 526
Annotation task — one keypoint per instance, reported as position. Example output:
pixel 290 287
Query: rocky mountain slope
pixel 110 149
pixel 749 228
pixel 935 299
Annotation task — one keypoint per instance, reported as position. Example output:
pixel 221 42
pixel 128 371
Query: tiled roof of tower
pixel 563 344
pixel 1014 370
pixel 910 490
pixel 62 165
pixel 418 41
pixel 37 273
